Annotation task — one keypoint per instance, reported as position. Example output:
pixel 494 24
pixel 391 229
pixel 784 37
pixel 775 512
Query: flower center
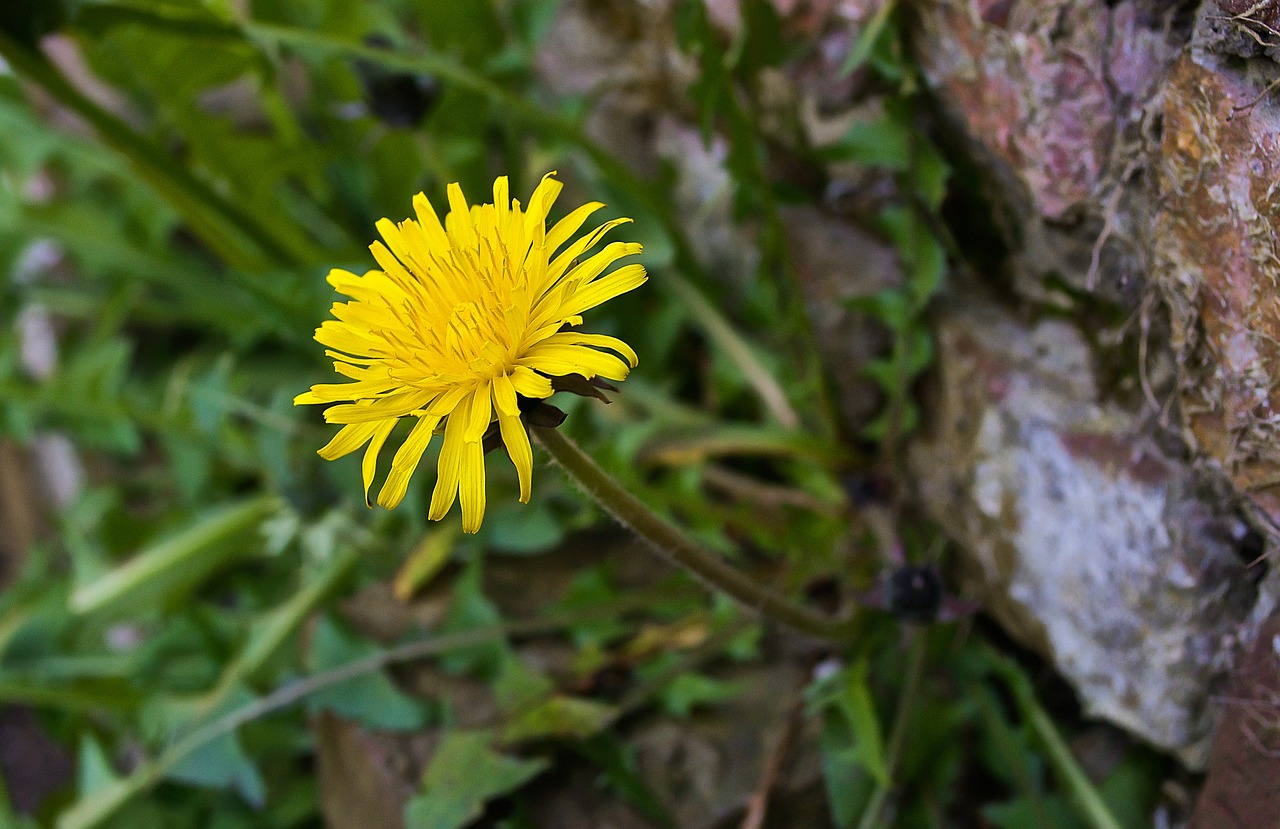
pixel 472 336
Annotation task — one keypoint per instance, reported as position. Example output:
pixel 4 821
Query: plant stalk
pixel 901 722
pixel 1082 790
pixel 676 547
pixel 1085 796
pixel 95 808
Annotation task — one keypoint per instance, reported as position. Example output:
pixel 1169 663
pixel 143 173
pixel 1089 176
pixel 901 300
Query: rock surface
pixel 1217 259
pixel 1079 534
pixel 1241 790
pixel 1052 99
pixel 1130 151
pixel 1119 146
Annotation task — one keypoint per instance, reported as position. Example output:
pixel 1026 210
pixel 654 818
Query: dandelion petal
pixel 464 317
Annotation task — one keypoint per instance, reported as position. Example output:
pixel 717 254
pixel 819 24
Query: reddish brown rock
pixel 1217 264
pixel 1119 141
pixel 1044 87
pixel 1241 790
pixel 1050 100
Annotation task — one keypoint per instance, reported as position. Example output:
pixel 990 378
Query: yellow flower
pixel 463 319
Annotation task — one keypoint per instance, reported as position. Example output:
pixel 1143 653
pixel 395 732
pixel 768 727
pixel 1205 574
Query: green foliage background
pixel 181 627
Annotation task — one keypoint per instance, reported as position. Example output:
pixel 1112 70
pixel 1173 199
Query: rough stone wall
pixel 1218 179
pixel 1053 101
pixel 1130 152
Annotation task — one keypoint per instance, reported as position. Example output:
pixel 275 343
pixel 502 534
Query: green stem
pixel 1064 763
pixel 1084 794
pixel 775 246
pixel 219 222
pixel 1011 753
pixel 276 629
pixel 181 557
pixel 901 723
pixel 675 546
pixel 738 350
pixel 101 804
pixel 22 691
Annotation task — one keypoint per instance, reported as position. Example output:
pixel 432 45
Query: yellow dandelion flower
pixel 463 319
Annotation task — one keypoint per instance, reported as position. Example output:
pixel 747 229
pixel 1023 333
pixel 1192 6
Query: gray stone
pixel 1076 531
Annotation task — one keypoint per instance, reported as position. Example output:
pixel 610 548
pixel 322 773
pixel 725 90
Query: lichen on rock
pixel 1217 265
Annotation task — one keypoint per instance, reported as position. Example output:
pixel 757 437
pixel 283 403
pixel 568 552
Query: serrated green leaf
pixel 1053 812
pixel 870 35
pixel 761 42
pixel 209 396
pixel 270 631
pixel 848 786
pixel 591 589
pixel 858 707
pixel 901 420
pixel 464 774
pixel 192 463
pixel 881 142
pixel 618 768
pixel 534 19
pixel 929 268
pixel 884 370
pixel 221 763
pixel 470 610
pixel 919 348
pixel 931 173
pixel 890 306
pixel 523 529
pixel 273 442
pixel 517 686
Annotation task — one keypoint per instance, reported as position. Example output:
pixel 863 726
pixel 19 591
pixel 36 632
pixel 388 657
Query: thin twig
pixel 758 804
pixel 768 496
pixel 96 808
pixel 1246 107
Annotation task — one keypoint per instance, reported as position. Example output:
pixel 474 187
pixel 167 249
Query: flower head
pixel 464 318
